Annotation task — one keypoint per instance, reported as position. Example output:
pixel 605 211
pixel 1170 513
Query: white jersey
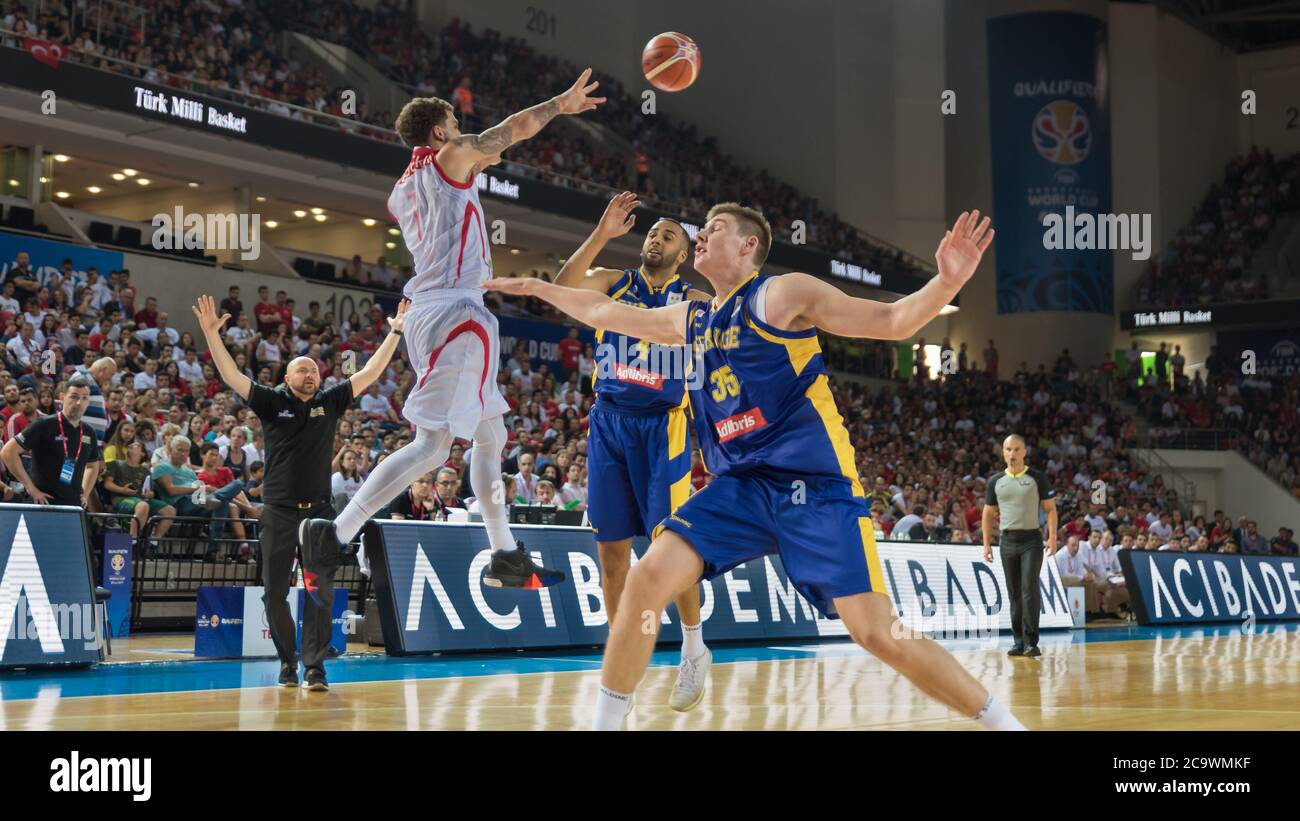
pixel 443 225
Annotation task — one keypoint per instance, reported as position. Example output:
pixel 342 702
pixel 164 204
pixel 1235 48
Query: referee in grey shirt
pixel 1016 495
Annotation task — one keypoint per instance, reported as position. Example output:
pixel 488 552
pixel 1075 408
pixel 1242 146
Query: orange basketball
pixel 671 61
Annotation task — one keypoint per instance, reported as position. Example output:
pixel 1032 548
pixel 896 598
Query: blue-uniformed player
pixel 638 445
pixel 786 480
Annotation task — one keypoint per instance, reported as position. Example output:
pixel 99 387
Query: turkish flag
pixel 48 53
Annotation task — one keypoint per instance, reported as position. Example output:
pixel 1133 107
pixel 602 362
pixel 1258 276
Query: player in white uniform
pixel 452 339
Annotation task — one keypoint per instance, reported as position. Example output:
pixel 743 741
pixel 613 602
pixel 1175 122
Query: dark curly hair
pixel 419 117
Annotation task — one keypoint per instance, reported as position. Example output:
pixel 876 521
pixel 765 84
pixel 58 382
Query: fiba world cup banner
pixel 1050 135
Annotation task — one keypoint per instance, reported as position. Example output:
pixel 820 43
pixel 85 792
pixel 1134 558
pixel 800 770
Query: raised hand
pixel 206 312
pixel 961 249
pixel 576 99
pixel 618 218
pixel 397 322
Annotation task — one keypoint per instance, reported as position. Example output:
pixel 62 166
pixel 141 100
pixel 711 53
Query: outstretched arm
pixel 462 154
pixel 364 378
pixel 206 311
pixel 617 220
pixel 666 326
pixel 799 301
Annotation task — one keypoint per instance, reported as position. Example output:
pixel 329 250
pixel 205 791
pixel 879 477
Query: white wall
pixel 1274 76
pixel 1135 126
pixel 1228 481
pixel 1198 105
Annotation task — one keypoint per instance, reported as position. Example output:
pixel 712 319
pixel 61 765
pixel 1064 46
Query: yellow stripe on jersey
pixel 679 492
pixel 874 571
pixel 819 393
pixel 600 333
pixel 622 290
pixel 718 303
pixel 801 350
pixel 676 433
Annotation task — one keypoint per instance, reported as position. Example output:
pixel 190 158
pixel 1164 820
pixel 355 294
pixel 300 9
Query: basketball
pixel 671 61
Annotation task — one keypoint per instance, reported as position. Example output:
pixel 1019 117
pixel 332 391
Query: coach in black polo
pixel 65 453
pixel 298 422
pixel 1015 495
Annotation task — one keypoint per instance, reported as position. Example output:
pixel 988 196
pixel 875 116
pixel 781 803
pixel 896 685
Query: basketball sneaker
pixel 315 680
pixel 516 569
pixel 288 675
pixel 692 674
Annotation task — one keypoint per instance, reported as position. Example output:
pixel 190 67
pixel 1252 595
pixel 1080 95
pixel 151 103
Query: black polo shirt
pixel 299 440
pixel 44 440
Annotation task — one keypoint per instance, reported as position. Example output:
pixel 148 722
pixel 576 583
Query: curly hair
pixel 419 117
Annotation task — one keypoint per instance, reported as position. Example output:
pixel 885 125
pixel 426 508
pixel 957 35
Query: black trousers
pixel 1022 560
pixel 279 547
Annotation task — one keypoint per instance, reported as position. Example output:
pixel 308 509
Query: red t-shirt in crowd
pixel 15 423
pixel 146 317
pixel 1076 529
pixel 272 315
pixel 570 350
pixel 220 479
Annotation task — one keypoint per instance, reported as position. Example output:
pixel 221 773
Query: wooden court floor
pixel 1127 678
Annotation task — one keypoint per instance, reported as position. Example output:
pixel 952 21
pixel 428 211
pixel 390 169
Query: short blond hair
pixel 751 222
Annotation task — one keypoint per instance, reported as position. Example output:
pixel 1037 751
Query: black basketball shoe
pixel 516 569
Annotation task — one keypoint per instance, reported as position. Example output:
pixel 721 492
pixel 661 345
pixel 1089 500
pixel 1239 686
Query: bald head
pixel 303 377
pixel 1013 451
pixel 103 369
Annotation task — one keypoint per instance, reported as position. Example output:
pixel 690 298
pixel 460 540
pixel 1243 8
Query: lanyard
pixel 65 440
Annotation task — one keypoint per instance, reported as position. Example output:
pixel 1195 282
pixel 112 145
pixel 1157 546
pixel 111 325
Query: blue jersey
pixel 637 376
pixel 761 396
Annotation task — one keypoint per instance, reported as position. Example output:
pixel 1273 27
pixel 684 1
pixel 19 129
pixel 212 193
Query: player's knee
pixel 647 586
pixel 878 640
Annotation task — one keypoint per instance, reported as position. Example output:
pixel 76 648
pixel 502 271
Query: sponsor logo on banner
pixel 431 596
pixel 47 607
pixel 636 376
pixel 1173 588
pixel 1048 114
pixel 740 424
pixel 188 108
pixel 1061 133
pixel 119 562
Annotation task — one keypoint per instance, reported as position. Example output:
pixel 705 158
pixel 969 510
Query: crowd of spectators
pixel 1210 258
pixel 1220 407
pixel 925 447
pixel 232 50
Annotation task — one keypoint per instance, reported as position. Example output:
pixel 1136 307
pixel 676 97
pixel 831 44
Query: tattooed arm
pixel 467 154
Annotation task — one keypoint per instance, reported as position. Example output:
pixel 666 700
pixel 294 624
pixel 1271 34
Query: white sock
pixel 994 716
pixel 485 478
pixel 611 709
pixel 692 641
pixel 426 452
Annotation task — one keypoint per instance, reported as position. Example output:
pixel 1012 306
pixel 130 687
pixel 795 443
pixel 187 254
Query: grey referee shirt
pixel 1018 498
